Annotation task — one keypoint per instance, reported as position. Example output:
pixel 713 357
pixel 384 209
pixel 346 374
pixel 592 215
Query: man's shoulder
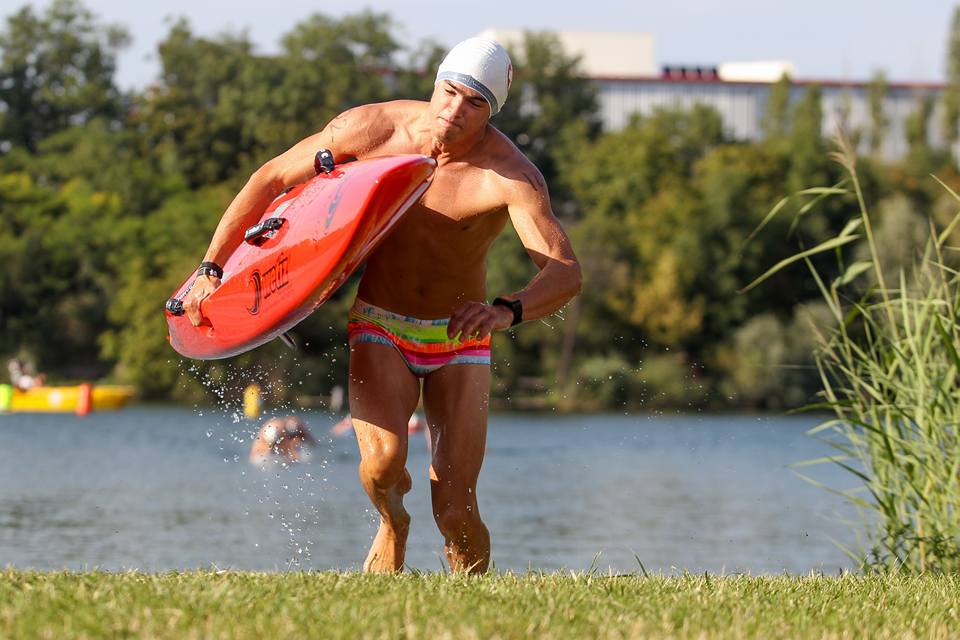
pixel 394 111
pixel 511 165
pixel 366 128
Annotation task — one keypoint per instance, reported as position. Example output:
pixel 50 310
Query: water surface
pixel 159 488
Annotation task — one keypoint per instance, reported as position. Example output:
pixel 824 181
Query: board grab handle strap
pixel 175 307
pixel 255 234
pixel 323 161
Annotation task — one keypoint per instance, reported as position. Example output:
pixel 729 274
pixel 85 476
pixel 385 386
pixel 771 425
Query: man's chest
pixel 458 215
pixel 461 196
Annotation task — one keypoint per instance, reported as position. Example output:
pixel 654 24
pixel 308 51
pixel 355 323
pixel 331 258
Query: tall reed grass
pixel 889 368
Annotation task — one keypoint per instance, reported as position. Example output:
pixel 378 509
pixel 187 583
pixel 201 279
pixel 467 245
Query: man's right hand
pixel 201 290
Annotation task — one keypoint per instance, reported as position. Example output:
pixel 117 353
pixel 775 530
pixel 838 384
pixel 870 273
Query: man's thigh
pixel 456 400
pixel 383 393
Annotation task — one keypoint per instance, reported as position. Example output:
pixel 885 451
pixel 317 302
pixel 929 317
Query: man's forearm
pixel 553 287
pixel 246 210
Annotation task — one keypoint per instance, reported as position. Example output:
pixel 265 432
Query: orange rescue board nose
pixel 329 226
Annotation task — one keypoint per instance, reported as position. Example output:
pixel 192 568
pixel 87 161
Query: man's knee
pixel 383 463
pixel 454 519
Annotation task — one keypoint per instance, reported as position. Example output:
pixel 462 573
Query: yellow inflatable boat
pixel 80 399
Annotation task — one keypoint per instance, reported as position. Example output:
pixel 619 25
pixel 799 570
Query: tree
pixel 56 71
pixel 776 118
pixel 551 114
pixel 211 105
pixel 330 65
pixel 738 184
pixel 807 151
pixel 643 231
pixel 224 110
pixel 843 113
pixel 879 122
pixel 951 96
pixel 549 96
pixel 56 245
pixel 922 158
pixel 415 77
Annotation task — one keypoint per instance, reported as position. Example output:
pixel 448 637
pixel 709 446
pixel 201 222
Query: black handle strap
pixel 323 161
pixel 256 235
pixel 175 307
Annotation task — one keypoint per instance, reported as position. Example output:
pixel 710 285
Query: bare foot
pixel 388 548
pixel 467 558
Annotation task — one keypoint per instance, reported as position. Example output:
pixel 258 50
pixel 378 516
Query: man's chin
pixel 445 135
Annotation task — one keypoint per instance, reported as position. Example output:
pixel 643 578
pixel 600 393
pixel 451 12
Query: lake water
pixel 159 488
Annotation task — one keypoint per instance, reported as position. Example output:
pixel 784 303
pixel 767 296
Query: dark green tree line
pixel 108 201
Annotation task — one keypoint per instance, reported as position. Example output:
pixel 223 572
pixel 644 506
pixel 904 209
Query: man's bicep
pixel 340 136
pixel 540 232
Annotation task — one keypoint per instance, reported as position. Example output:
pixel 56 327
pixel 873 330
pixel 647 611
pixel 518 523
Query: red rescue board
pixel 329 226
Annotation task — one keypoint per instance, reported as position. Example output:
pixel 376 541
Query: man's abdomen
pixel 419 285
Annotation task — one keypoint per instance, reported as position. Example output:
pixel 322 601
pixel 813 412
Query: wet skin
pixel 432 265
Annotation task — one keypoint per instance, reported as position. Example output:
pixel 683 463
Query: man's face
pixel 457 111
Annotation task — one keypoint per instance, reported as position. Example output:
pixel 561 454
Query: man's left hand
pixel 478 320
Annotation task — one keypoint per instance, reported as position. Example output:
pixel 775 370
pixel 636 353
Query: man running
pixel 421 313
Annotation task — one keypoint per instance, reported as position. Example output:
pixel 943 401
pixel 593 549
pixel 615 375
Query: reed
pixel 889 370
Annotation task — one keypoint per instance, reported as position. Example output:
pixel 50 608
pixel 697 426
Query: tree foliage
pixel 951 96
pixel 108 201
pixel 56 71
pixel 879 121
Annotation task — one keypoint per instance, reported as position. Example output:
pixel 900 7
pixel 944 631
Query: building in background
pixel 630 81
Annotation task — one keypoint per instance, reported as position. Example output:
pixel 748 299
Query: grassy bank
pixel 333 605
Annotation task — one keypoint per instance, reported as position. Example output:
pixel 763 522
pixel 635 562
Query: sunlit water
pixel 167 488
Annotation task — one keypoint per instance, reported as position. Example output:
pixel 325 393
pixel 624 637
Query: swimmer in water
pixel 281 439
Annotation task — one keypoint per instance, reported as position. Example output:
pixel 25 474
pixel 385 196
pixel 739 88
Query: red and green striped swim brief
pixel 423 344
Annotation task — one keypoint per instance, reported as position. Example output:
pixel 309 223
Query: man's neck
pixel 445 152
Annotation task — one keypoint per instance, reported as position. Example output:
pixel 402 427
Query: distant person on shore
pixel 281 439
pixel 23 376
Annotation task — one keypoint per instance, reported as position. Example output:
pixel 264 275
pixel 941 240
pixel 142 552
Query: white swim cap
pixel 292 425
pixel 480 64
pixel 271 434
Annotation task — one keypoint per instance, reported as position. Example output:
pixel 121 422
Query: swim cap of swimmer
pixel 271 434
pixel 480 64
pixel 292 426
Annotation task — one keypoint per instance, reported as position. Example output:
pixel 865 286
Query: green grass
pixel 210 604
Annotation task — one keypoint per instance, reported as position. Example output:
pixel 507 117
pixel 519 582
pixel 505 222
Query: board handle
pixel 175 307
pixel 258 233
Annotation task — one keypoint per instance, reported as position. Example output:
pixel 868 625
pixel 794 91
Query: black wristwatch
pixel 514 305
pixel 210 269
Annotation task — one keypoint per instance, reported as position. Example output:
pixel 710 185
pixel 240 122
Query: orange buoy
pixel 84 399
